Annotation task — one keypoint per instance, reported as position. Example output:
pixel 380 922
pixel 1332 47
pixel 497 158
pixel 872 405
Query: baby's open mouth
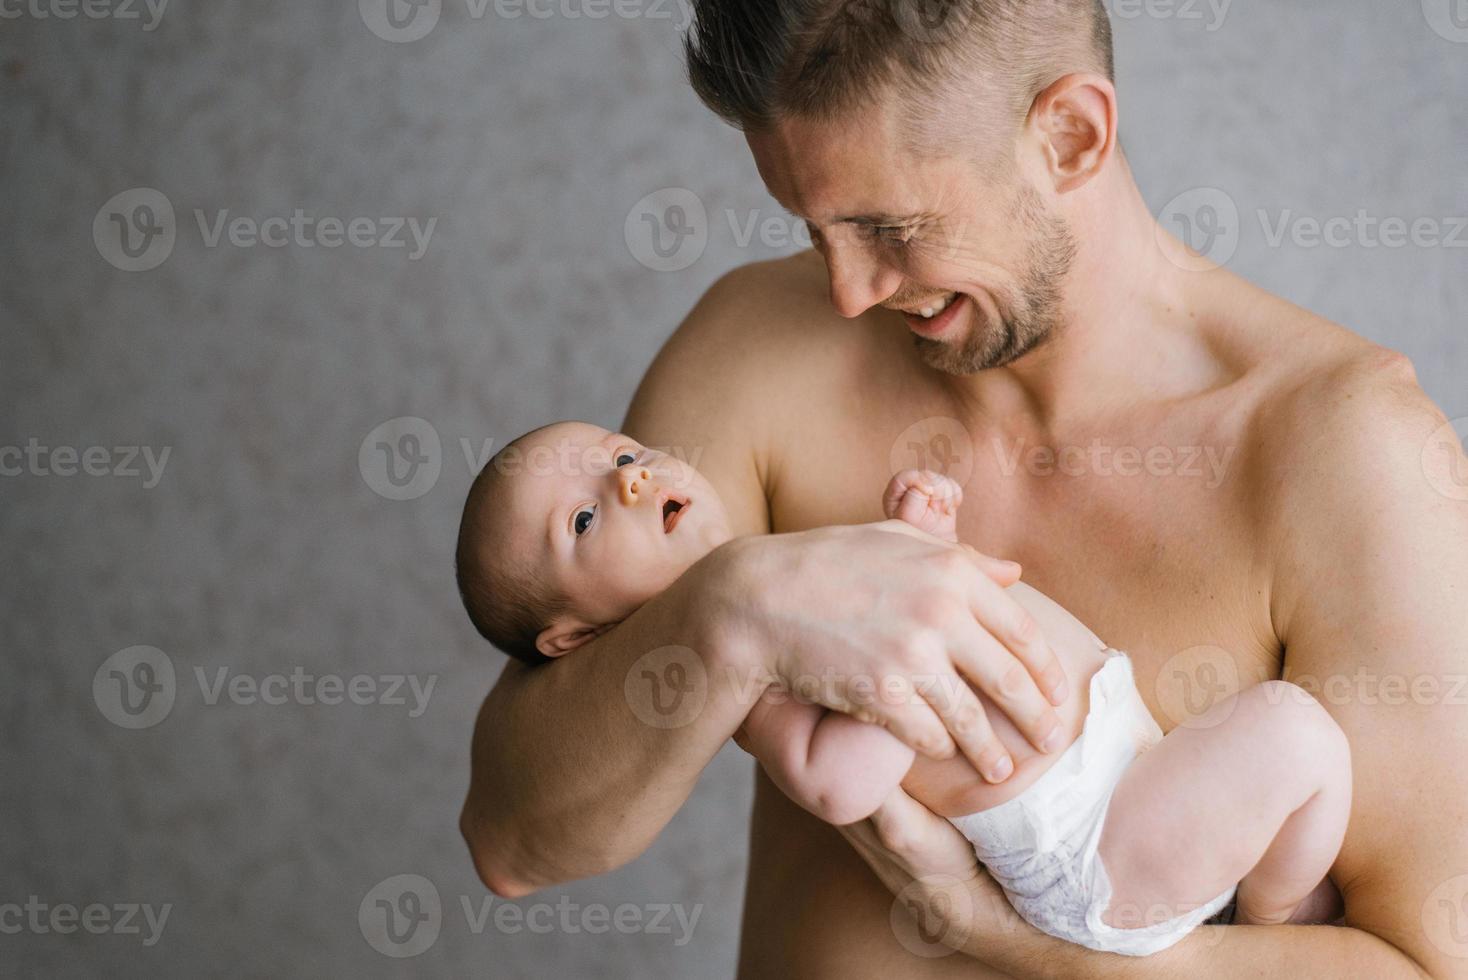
pixel 673 508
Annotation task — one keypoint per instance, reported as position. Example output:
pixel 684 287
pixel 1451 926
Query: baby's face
pixel 608 520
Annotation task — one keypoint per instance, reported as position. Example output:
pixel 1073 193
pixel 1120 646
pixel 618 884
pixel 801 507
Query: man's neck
pixel 1131 325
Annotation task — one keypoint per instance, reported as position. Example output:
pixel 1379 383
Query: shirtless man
pixel 984 163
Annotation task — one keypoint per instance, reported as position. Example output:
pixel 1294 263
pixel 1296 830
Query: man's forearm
pixel 1211 953
pixel 1223 952
pixel 579 764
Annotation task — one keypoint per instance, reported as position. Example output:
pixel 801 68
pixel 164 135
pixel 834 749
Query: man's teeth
pixel 933 309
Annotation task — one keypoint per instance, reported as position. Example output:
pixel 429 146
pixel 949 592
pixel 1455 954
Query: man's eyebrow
pixel 879 219
pixel 876 218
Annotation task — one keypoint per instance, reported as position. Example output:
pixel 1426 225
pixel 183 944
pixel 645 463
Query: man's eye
pixel 893 234
pixel 625 459
pixel 583 519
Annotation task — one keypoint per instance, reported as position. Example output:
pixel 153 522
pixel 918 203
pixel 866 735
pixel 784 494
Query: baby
pixel 1118 839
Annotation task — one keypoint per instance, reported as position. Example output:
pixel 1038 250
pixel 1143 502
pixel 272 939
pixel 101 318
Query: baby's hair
pixel 507 601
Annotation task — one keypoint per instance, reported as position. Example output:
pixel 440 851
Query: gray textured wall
pixel 266 546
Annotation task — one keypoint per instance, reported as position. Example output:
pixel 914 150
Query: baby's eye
pixel 625 459
pixel 583 519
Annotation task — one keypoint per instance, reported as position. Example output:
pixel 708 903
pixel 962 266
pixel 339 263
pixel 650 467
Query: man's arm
pixel 566 781
pixel 571 778
pixel 1371 603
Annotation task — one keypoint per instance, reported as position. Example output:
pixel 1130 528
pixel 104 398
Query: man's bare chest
pixel 1148 541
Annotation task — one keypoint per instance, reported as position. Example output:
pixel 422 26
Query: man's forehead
pixel 830 171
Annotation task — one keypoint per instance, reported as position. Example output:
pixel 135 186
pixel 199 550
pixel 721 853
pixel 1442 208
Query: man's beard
pixel 1036 314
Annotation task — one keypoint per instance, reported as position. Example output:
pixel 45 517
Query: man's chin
pixel 991 349
pixel 959 358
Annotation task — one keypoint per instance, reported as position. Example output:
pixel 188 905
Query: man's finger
pixel 906 714
pixel 963 715
pixel 1010 661
pixel 919 841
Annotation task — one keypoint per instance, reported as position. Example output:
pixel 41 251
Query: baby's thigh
pixel 1194 814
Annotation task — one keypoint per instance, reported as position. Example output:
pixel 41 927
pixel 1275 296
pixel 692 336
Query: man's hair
pixel 507 601
pixel 754 62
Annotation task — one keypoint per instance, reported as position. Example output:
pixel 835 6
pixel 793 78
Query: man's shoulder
pixel 760 349
pixel 1343 432
pixel 762 314
pixel 761 335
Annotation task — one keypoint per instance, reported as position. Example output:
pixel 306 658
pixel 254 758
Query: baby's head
pixel 570 528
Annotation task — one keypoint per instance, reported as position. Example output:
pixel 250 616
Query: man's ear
pixel 565 634
pixel 1075 120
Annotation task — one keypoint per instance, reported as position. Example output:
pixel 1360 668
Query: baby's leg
pixel 1256 791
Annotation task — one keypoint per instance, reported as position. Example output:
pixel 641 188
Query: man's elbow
pixel 489 864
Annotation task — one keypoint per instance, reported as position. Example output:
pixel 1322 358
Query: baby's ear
pixel 565 634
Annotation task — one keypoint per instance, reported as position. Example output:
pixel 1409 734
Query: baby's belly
pixel 954 788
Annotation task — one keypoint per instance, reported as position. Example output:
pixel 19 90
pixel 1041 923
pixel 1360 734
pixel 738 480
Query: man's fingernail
pixel 1052 741
pixel 1001 771
pixel 1059 691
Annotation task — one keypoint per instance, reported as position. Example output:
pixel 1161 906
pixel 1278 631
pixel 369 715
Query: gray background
pixel 265 548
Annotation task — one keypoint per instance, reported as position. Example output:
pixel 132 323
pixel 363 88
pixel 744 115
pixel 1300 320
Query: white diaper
pixel 1043 845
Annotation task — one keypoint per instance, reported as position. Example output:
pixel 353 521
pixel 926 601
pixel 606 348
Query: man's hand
pixel 931 868
pixel 890 625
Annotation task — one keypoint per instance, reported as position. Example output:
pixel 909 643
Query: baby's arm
pixel 926 500
pixel 838 768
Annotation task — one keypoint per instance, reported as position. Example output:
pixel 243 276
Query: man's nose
pixel 858 281
pixel 635 482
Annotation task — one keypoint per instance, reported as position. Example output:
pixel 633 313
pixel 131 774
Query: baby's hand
pixel 926 500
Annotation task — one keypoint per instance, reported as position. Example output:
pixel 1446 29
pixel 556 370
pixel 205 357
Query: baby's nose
pixel 634 481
